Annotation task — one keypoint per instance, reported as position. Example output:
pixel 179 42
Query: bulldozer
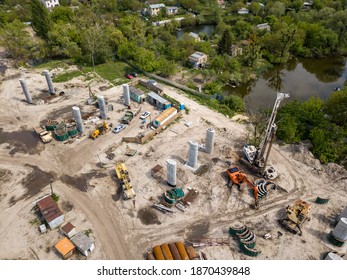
pixel 101 129
pixel 296 215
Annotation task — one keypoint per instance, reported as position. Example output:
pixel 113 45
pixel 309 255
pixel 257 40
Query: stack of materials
pixel 172 251
pixel 247 240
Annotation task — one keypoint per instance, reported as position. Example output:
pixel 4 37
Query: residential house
pixel 158 101
pixel 236 50
pixel 243 11
pixel 171 10
pixel 195 36
pixel 164 116
pixel 65 248
pixel 68 230
pixel 49 4
pixel 198 59
pixel 137 94
pixel 83 243
pixel 50 212
pixel 263 26
pixel 155 9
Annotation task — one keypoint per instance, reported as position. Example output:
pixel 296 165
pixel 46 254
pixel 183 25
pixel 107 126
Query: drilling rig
pixel 256 157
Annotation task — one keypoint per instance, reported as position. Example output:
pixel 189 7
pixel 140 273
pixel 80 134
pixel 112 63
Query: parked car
pixel 134 74
pixel 154 83
pixel 118 128
pixel 129 76
pixel 145 115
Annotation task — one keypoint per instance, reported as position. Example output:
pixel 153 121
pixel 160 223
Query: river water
pixel 302 78
pixel 207 28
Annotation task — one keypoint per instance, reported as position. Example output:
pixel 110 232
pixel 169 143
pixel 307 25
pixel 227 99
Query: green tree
pixel 224 44
pixel 277 9
pixel 16 41
pixel 336 107
pixel 166 68
pixel 40 20
pixel 62 14
pixel 94 42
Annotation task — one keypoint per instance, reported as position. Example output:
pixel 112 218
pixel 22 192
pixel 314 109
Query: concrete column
pixel 126 94
pixel 49 82
pixel 209 140
pixel 78 118
pixel 102 107
pixel 193 154
pixel 171 172
pixel 26 91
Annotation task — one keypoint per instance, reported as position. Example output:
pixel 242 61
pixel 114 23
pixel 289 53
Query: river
pixel 302 78
pixel 206 28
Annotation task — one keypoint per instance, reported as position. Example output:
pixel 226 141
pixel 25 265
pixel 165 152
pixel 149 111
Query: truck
pixel 124 180
pixel 45 136
pixel 127 117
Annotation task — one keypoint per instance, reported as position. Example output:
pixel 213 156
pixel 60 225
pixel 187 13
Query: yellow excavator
pixel 101 129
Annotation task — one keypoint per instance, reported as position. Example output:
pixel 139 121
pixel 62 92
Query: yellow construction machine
pixel 123 177
pixel 101 129
pixel 296 215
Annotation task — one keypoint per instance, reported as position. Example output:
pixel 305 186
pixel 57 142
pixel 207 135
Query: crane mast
pixel 258 157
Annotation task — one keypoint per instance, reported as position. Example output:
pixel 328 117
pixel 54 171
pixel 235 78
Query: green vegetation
pixel 35 222
pixel 324 123
pixel 88 232
pixel 67 76
pixel 55 197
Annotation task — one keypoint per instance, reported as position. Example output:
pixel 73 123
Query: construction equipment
pixel 127 117
pixel 124 179
pixel 296 215
pixel 237 177
pixel 45 136
pixel 101 129
pixel 256 158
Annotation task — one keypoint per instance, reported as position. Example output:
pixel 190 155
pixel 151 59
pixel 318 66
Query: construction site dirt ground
pixel 83 176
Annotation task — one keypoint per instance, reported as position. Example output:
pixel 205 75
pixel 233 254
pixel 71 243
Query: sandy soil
pixel 88 190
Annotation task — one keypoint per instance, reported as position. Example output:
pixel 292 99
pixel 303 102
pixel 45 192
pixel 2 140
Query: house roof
pixel 64 246
pixel 49 209
pixel 82 241
pixel 156 6
pixel 171 8
pixel 68 227
pixel 197 56
pixel 136 91
pixel 157 97
pixel 162 116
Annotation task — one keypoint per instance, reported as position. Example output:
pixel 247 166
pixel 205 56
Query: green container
pixel 72 132
pixel 51 125
pixel 61 136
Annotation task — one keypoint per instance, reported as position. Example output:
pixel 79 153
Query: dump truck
pixel 127 117
pixel 124 179
pixel 296 215
pixel 45 136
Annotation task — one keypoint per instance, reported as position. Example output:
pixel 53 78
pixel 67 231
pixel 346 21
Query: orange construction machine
pixel 237 177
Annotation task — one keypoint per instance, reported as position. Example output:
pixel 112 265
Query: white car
pixel 118 128
pixel 154 83
pixel 145 115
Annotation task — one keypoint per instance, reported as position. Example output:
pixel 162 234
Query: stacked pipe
pixel 172 251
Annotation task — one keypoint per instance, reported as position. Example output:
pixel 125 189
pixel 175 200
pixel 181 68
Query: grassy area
pixel 67 76
pixel 55 64
pixel 111 71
